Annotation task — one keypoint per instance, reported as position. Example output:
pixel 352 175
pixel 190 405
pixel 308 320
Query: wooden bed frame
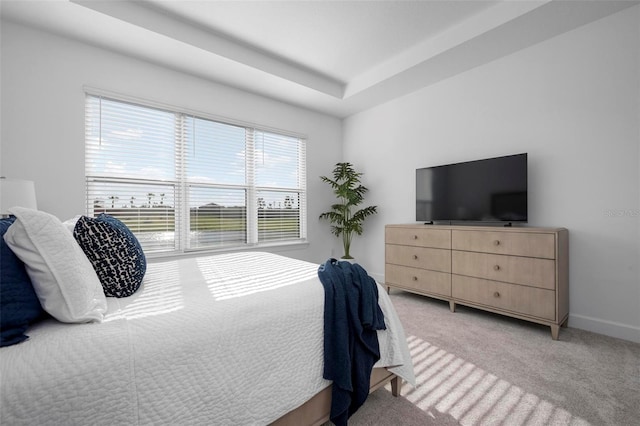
pixel 316 411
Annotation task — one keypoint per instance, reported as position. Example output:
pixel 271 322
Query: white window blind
pixel 182 182
pixel 279 172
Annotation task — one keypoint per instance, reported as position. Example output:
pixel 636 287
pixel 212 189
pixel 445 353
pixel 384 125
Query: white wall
pixel 572 103
pixel 42 112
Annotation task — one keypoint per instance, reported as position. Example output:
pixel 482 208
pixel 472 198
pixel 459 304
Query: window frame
pixel 182 184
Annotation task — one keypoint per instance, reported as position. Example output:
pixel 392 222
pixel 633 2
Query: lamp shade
pixel 16 192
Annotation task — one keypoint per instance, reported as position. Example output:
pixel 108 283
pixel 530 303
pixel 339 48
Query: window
pixel 183 182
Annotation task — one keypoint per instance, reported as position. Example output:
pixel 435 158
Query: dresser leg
pixel 555 331
pixel 452 306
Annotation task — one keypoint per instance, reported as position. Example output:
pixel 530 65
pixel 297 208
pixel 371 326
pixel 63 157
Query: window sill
pixel 269 247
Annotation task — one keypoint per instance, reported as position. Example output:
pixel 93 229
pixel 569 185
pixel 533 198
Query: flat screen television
pixel 487 190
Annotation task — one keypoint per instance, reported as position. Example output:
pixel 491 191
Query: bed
pixel 221 339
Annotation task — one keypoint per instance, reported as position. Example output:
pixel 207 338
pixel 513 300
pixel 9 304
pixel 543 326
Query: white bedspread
pixel 232 339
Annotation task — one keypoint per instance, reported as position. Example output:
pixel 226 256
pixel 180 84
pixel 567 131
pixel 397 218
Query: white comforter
pixel 233 339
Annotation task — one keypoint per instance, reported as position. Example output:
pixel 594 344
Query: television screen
pixel 488 190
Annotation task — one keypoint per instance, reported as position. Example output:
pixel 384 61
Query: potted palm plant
pixel 345 217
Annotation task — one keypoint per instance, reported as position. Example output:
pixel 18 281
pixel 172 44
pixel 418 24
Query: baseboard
pixel 609 328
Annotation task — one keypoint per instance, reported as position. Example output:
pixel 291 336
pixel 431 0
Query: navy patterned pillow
pixel 114 252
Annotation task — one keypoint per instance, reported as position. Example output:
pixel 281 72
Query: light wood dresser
pixel 522 272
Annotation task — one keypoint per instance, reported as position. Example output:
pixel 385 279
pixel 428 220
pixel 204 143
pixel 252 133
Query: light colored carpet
pixel 478 368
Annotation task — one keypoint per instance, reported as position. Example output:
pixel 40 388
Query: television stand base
pixel 521 272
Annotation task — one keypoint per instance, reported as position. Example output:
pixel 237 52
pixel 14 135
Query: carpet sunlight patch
pixel 453 386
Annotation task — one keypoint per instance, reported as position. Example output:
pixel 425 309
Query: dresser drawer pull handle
pixel 496 267
pixel 496 242
pixel 415 257
pixel 415 237
pixel 496 294
pixel 415 278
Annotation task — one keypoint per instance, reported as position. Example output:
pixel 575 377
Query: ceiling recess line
pixel 135 13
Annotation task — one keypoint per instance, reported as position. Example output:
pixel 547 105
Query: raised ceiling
pixel 336 57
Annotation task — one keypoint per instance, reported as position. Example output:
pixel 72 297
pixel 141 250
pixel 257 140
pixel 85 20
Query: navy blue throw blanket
pixel 351 348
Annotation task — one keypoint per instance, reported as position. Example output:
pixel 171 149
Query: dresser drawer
pixel 513 269
pixel 419 257
pixel 420 280
pixel 419 236
pixel 528 244
pixel 535 302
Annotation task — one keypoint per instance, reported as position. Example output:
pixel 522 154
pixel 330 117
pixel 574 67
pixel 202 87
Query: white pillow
pixel 70 224
pixel 64 280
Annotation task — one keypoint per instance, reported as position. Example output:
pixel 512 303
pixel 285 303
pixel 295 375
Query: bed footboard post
pixel 396 386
